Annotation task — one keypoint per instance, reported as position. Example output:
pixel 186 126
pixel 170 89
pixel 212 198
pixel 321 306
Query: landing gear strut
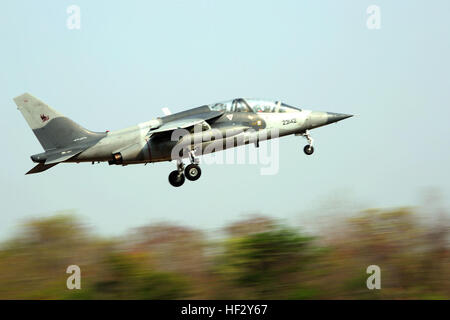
pixel 192 157
pixel 192 171
pixel 308 149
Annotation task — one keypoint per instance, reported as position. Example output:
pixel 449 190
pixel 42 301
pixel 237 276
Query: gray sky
pixel 132 58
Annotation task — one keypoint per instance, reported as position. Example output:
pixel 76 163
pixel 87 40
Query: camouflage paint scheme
pixel 65 141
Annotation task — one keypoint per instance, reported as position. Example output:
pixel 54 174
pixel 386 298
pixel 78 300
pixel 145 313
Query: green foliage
pixel 257 259
pixel 127 276
pixel 304 293
pixel 266 260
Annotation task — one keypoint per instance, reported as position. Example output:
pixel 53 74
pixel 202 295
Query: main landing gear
pixel 192 171
pixel 308 149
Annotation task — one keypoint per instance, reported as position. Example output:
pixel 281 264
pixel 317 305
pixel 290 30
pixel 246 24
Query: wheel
pixel 176 179
pixel 308 149
pixel 192 172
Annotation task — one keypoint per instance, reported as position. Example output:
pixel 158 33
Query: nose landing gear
pixel 192 171
pixel 308 149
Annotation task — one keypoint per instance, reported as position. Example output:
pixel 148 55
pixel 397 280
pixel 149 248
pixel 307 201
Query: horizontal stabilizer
pixel 61 157
pixel 41 167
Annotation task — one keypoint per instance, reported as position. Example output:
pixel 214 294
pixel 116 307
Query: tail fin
pixel 52 129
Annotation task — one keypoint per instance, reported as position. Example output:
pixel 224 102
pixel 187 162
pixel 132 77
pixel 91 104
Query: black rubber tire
pixel 176 179
pixel 309 150
pixel 192 172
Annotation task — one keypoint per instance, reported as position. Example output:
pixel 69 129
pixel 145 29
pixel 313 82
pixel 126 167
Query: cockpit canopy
pixel 253 105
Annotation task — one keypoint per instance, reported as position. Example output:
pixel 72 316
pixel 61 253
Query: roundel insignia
pixel 44 118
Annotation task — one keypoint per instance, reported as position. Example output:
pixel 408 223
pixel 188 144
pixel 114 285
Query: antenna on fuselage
pixel 166 111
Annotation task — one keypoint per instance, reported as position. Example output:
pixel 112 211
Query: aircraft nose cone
pixel 335 117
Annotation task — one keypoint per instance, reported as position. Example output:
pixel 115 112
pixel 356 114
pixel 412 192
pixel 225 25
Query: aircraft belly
pixel 160 149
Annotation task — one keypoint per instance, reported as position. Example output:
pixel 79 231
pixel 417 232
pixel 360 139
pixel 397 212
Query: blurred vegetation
pixel 255 258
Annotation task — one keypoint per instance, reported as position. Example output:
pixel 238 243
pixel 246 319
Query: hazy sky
pixel 132 58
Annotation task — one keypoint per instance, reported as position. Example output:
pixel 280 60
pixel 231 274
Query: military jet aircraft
pixel 218 125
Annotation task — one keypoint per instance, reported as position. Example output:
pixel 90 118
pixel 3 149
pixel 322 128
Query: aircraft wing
pixel 177 124
pixel 186 121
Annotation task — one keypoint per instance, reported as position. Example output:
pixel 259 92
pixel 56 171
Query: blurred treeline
pixel 255 258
